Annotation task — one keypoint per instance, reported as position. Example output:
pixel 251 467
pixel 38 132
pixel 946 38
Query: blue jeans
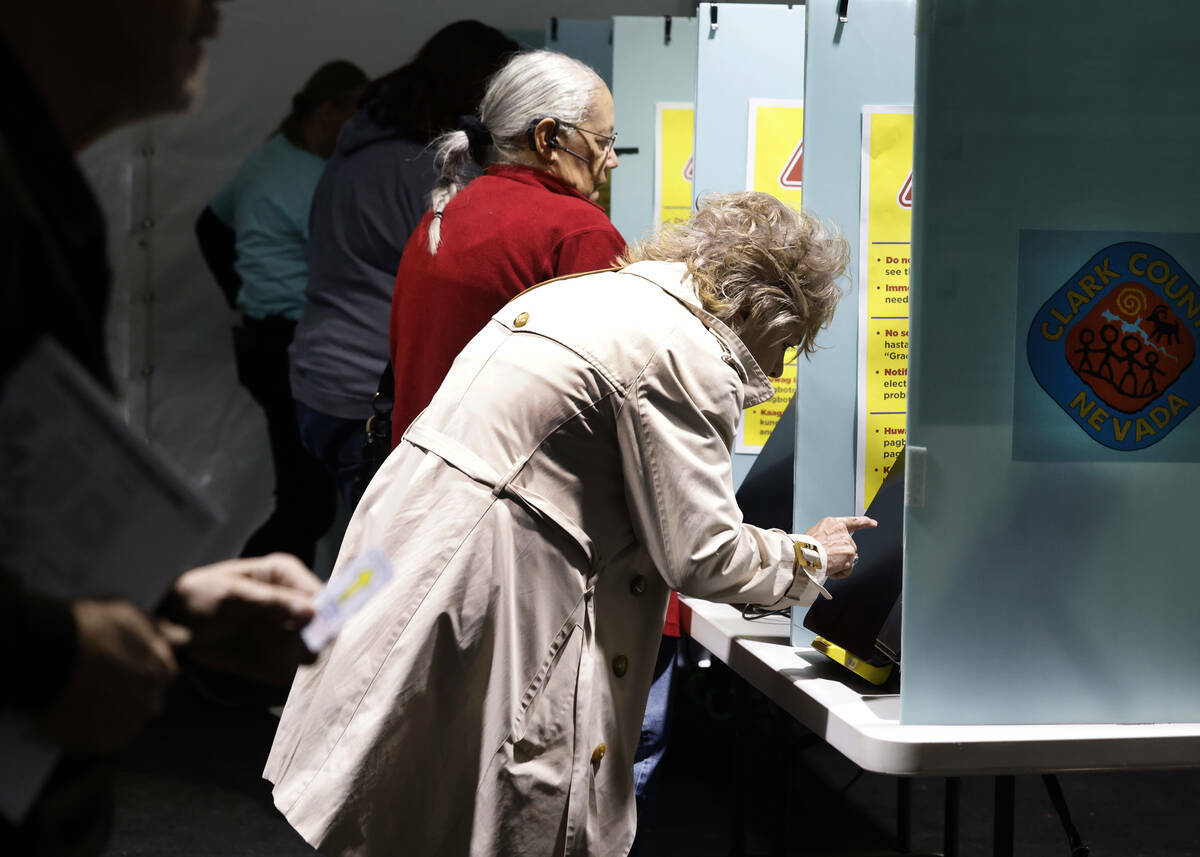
pixel 656 729
pixel 337 443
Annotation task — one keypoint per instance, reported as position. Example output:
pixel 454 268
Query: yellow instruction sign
pixel 673 161
pixel 775 149
pixel 774 165
pixel 884 256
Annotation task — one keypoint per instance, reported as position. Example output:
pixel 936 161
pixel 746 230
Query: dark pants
pixel 656 730
pixel 337 442
pixel 305 503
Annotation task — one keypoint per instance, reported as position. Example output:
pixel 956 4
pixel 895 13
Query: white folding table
pixel 863 724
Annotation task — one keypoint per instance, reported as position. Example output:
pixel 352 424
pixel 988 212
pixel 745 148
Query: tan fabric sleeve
pixel 676 432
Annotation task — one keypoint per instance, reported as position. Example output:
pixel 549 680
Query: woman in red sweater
pixel 546 131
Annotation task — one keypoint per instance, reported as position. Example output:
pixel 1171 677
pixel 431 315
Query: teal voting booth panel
pixel 652 64
pixel 753 51
pixel 866 60
pixel 750 51
pixel 1050 567
pixel 529 40
pixel 589 41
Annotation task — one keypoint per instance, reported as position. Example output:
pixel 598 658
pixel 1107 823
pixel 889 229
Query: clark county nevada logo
pixel 1115 346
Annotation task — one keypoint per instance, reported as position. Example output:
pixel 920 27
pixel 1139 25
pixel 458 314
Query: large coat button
pixel 521 320
pixel 620 665
pixel 599 752
pixel 638 585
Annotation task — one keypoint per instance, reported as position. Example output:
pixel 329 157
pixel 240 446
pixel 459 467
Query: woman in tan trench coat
pixel 572 469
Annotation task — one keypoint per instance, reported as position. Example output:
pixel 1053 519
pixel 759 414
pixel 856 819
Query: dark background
pixel 191 786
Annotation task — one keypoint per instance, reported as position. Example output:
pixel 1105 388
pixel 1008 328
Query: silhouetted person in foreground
pixel 90 673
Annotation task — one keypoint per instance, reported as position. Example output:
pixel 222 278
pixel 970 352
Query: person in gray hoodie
pixel 372 195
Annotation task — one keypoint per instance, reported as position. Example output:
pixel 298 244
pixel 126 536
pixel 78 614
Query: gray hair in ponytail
pixel 530 86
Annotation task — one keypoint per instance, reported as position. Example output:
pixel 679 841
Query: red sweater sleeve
pixel 671 628
pixel 589 249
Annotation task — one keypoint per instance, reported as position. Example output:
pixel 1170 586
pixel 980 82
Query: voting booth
pixel 1049 575
pixel 588 40
pixel 852 394
pixel 749 135
pixel 707 104
pixel 1042 242
pixel 654 87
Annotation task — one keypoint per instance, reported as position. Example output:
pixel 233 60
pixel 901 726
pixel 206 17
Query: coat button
pixel 520 320
pixel 638 585
pixel 620 665
pixel 599 752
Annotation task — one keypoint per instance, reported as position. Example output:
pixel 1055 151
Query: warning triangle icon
pixel 904 197
pixel 689 169
pixel 793 172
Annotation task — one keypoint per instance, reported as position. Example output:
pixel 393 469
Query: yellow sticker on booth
pixel 885 235
pixel 673 162
pixel 775 149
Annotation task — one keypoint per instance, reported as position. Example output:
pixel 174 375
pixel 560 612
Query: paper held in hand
pixel 345 595
pixel 87 509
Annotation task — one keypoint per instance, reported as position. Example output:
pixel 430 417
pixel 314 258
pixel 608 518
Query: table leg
pixel 950 817
pixel 1002 839
pixel 738 846
pixel 903 815
pixel 783 741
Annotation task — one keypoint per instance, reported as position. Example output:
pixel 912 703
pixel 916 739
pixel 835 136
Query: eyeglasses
pixel 610 140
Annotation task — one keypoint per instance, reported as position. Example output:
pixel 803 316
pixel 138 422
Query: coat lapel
pixel 674 279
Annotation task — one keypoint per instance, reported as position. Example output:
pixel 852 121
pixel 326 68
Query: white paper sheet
pixel 87 509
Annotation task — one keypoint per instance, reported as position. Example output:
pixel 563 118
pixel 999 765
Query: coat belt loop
pixel 502 484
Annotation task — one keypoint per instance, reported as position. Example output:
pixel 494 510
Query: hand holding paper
pixel 245 615
pixel 120 674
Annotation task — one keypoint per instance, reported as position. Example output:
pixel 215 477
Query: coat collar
pixel 537 178
pixel 674 279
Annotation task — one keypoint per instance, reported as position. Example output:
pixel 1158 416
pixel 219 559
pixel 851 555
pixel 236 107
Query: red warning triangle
pixel 689 169
pixel 793 172
pixel 904 197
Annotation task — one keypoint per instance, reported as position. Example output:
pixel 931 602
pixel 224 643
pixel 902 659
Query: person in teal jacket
pixel 254 236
